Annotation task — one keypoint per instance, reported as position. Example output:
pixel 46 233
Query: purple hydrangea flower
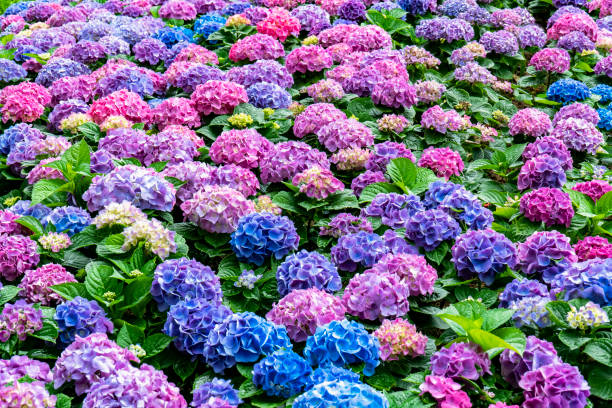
pixel 80 317
pixel 537 353
pixel 394 209
pixel 361 248
pixel 554 384
pixel 518 289
pixel 21 319
pixel 541 171
pixel 376 295
pixel 215 388
pixel 428 229
pixel 551 147
pixel 304 270
pixel 461 360
pixel 591 280
pixel 545 253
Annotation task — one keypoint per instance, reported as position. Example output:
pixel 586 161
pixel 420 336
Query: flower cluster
pixel 20 319
pixel 80 317
pixel 398 339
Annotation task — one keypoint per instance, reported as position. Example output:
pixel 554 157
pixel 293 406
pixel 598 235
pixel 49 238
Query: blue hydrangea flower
pixel 333 373
pixel 58 68
pixel 19 55
pixel 604 91
pixel 208 24
pixel 38 211
pixel 68 219
pixel 170 36
pixel 243 338
pixel 385 6
pixel 342 343
pixel 344 21
pixel 438 190
pixel 268 95
pixel 305 270
pixel 180 279
pixel 465 206
pixel 518 289
pixel 80 317
pixel 483 254
pixel 531 311
pixel 17 133
pixel 453 8
pixel 216 388
pixel 341 394
pixel 284 373
pixel 605 119
pixel 394 209
pixel 190 322
pixel 17 8
pixel 567 90
pixel 416 6
pixel 361 248
pixel 428 229
pixel 235 8
pixel 261 235
pixel 11 71
pixel 591 280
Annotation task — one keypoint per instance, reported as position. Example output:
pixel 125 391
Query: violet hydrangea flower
pixel 549 205
pixel 80 318
pixel 461 360
pixel 304 270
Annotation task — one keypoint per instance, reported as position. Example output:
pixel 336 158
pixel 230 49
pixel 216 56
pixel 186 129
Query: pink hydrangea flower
pixel 36 284
pixel 549 205
pixel 446 391
pixel 176 111
pixel 279 24
pixel 442 121
pixel 530 121
pixel 345 133
pixel 301 311
pixel 412 269
pixel 594 188
pixel 399 338
pixel 308 58
pixel 443 161
pixel 197 54
pixel 178 9
pixel 218 97
pixel 121 103
pixel 243 147
pixel 570 22
pixel 256 47
pixel 593 247
pixel 314 117
pixel 551 60
pixel 317 182
pixel 394 93
pixel 39 172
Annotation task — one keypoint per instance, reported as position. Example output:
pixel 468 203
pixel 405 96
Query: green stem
pixel 480 391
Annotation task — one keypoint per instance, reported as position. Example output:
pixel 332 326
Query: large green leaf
pixel 496 342
pixel 156 343
pixel 600 350
pixel 8 293
pixel 45 188
pixel 137 292
pixel 31 223
pixel 48 332
pixel 604 204
pixel 402 171
pixel 70 290
pixel 573 339
pixel 129 334
pixel 98 280
pixel 494 318
pixel 371 191
pixel 558 311
pixel 600 381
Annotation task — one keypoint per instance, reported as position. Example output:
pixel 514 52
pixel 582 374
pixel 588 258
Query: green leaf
pixel 78 156
pixel 248 389
pixel 600 381
pixel 583 203
pixel 184 368
pixel 129 334
pixel 600 350
pixel 363 109
pixel 48 332
pixel 89 236
pixel 558 310
pixel 406 399
pixel 136 293
pixel 8 293
pixel 460 324
pixel 513 336
pixel 371 191
pixel 158 166
pixel 573 339
pixel 438 254
pixel 156 343
pixel 98 279
pixel 402 171
pixel 63 401
pixel 43 189
pixel 229 268
pixel 75 259
pixel 341 200
pixel 91 131
pixel 245 370
pixel 70 290
pixel 424 177
pixel 31 223
pixel 514 152
pixel 286 201
pixel 494 318
pixel 111 246
pixel 490 342
pixel 604 204
pixel 381 380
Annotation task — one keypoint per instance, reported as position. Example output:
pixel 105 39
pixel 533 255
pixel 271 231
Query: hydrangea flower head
pixel 36 284
pixel 21 319
pixel 460 360
pixel 428 229
pixel 80 318
pixel 341 393
pixel 304 270
pixel 549 205
pixel 283 373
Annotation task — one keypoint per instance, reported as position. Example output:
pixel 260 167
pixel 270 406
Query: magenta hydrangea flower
pixel 256 47
pixel 530 122
pixel 446 391
pixel 178 9
pixel 317 182
pixel 593 247
pixel 17 255
pixel 308 58
pixel 301 311
pixel 243 147
pixel 218 97
pixel 217 208
pixel 541 171
pixel 551 60
pixel 8 225
pixel 594 188
pixel 394 93
pixel 549 205
pixel 554 384
pixel 578 134
pixel 176 111
pixel 576 110
pixel 398 338
pixel 314 117
pixel 372 296
pixel 89 360
pixel 21 319
pixel 79 87
pixel 36 284
pixel 365 179
pixel 26 394
pixel 121 103
pixel 537 353
pixel 604 66
pixel 412 270
pixel 345 133
pixel 443 161
pixel 436 118
pixel 566 23
pixel 368 38
pixel 552 147
pixel 461 360
pixel 286 159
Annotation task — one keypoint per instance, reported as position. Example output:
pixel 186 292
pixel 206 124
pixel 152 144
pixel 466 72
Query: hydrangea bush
pixel 329 203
